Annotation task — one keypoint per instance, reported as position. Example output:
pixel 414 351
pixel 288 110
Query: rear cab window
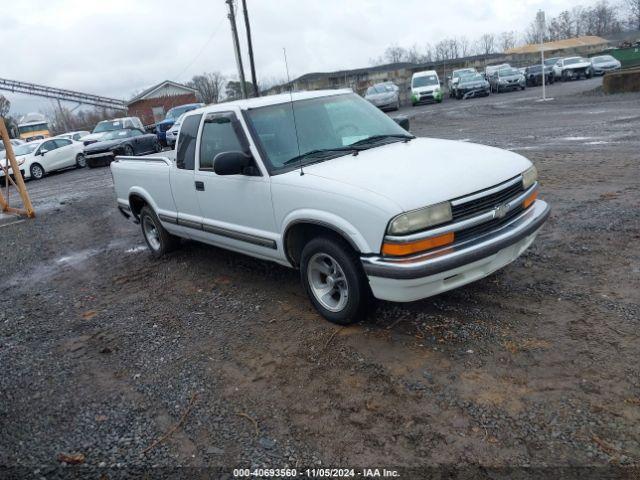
pixel 186 149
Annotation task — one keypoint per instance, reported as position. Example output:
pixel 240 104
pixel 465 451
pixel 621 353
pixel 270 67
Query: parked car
pixel 572 67
pixel 491 69
pixel 172 134
pixel 425 87
pixel 384 96
pixel 455 78
pixel 603 64
pixel 472 85
pixel 533 75
pixel 14 142
pixel 127 141
pixel 76 136
pixel 39 157
pixel 377 211
pixel 506 79
pixel 106 126
pixel 172 115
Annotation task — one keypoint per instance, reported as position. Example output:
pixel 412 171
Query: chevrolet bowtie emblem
pixel 500 211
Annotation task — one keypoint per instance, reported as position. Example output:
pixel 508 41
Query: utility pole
pixel 256 90
pixel 540 20
pixel 236 46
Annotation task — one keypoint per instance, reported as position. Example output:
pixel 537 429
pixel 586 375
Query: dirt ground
pixel 103 349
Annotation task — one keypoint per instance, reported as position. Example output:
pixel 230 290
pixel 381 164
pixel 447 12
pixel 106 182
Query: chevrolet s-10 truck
pixel 326 183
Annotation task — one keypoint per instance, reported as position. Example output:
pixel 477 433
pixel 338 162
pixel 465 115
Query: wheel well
pixel 136 202
pixel 297 236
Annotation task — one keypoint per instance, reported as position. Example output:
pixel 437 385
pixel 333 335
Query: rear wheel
pixel 332 275
pixel 37 172
pixel 158 239
pixel 157 147
pixel 128 151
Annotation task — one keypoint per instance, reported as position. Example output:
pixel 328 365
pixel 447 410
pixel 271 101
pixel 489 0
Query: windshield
pixel 25 148
pixel 474 77
pixel 117 134
pixel 603 59
pixel 535 69
pixel 321 123
pixel 108 126
pixel 380 88
pixel 425 81
pixel 571 61
pixel 176 112
pixel 461 73
pixel 551 61
pixel 508 72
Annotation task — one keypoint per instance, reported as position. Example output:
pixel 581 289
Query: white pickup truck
pixel 326 183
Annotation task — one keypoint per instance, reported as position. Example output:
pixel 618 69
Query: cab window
pixel 218 135
pixel 186 149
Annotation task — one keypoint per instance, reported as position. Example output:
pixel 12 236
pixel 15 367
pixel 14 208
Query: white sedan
pixel 43 156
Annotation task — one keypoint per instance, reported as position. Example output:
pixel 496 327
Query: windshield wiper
pixel 377 138
pixel 321 153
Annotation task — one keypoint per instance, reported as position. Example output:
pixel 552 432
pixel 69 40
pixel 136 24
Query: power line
pixel 206 44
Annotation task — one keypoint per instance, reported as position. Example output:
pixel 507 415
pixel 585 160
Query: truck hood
pixel 423 171
pixel 92 137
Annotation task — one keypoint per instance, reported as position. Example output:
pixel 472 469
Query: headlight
pixel 529 177
pixel 417 220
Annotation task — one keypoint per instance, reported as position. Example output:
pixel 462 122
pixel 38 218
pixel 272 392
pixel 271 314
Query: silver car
pixel 603 64
pixel 385 96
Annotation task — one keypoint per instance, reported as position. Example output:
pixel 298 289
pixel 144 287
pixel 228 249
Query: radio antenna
pixel 293 111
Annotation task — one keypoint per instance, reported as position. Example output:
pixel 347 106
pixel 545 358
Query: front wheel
pixel 37 172
pixel 334 280
pixel 81 162
pixel 158 239
pixel 128 151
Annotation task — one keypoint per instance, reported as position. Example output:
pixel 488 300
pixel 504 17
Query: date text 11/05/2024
pixel 316 473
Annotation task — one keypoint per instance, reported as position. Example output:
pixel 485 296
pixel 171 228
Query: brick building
pixel 152 104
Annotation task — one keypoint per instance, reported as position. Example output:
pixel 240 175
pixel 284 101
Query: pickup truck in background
pixel 326 183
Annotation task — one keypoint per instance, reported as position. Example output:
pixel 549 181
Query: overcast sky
pixel 119 47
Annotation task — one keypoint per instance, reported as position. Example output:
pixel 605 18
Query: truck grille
pixel 485 227
pixel 486 203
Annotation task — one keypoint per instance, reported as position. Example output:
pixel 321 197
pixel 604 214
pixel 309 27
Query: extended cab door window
pixel 220 134
pixel 186 149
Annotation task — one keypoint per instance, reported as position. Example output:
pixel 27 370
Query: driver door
pixel 48 156
pixel 237 212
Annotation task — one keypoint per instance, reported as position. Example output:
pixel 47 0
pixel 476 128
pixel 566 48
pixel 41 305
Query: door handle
pixel 200 186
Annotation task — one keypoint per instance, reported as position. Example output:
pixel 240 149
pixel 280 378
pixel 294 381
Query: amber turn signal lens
pixel 399 249
pixel 530 199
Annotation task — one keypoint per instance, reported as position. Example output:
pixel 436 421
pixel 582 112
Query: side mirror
pixel 233 163
pixel 403 121
pixel 42 152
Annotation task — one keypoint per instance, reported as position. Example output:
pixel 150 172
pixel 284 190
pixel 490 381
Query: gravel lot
pixel 103 349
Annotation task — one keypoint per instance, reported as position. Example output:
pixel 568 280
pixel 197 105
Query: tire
pixel 37 171
pixel 330 263
pixel 588 74
pixel 81 162
pixel 157 238
pixel 157 148
pixel 564 77
pixel 128 151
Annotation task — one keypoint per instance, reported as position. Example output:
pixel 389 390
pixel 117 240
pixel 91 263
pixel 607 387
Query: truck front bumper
pixel 424 275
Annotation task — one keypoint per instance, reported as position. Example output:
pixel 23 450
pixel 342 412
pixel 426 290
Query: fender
pixel 141 192
pixel 329 220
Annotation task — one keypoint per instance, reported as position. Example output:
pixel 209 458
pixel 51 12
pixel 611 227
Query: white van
pixel 425 87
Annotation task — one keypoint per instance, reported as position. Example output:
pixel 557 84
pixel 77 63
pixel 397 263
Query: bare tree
pixel 5 106
pixel 507 40
pixel 465 46
pixel 395 54
pixel 209 86
pixel 634 13
pixel 487 44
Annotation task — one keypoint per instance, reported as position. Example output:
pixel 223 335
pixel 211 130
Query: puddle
pixel 575 139
pixel 139 248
